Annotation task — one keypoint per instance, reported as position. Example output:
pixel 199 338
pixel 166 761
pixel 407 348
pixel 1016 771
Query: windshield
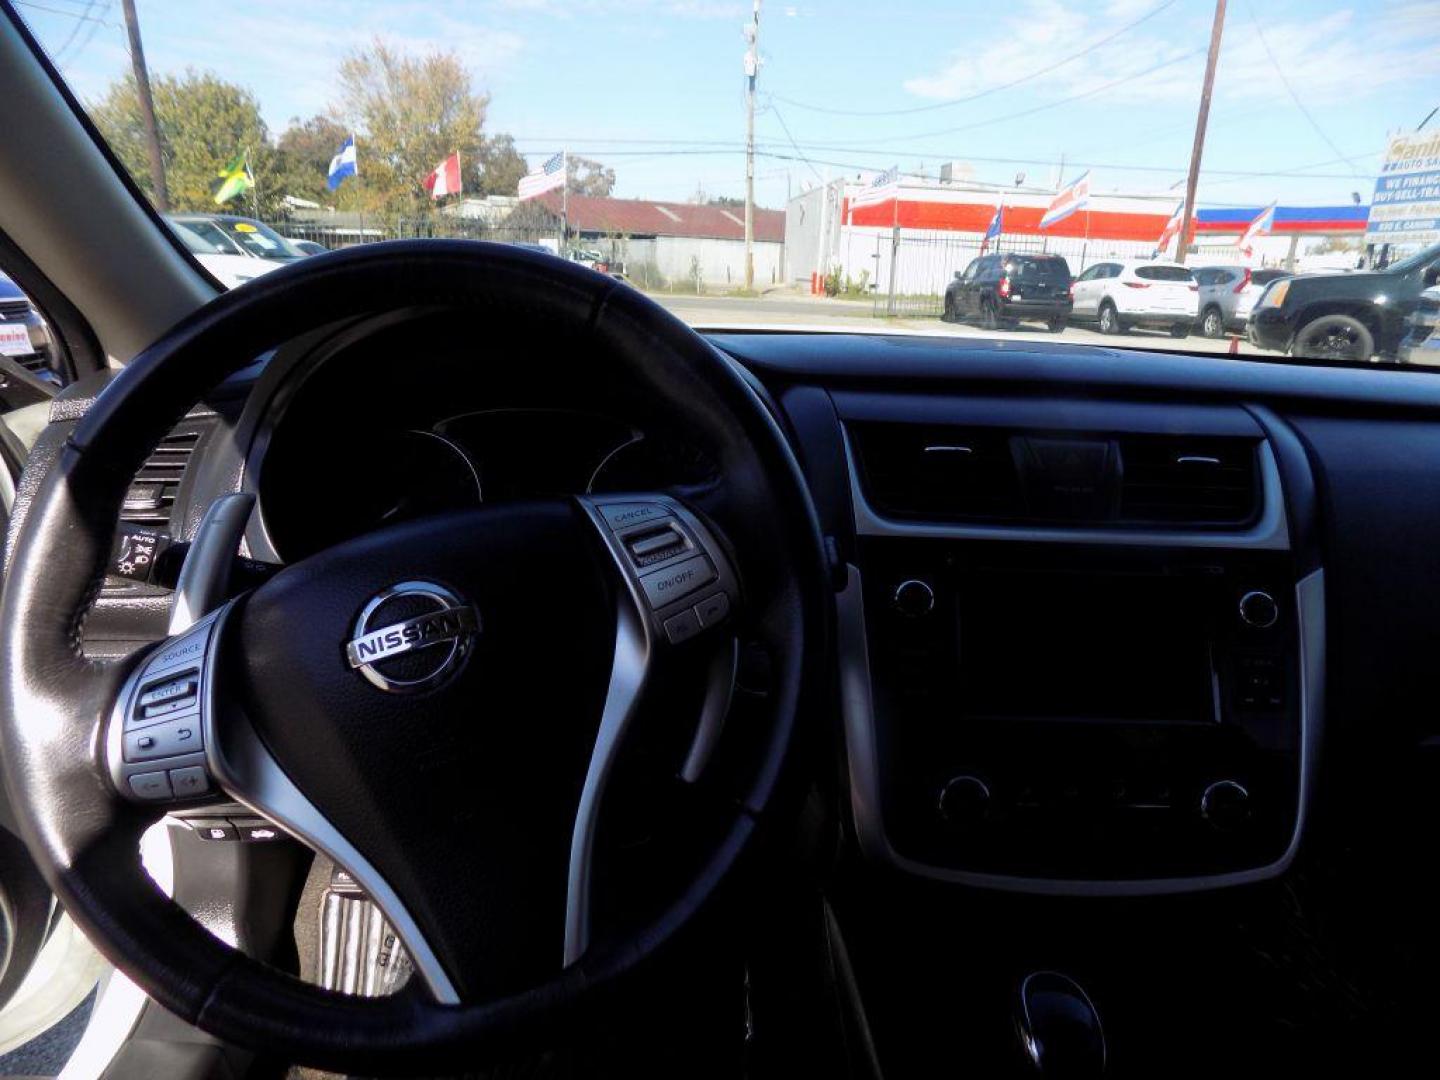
pixel 803 165
pixel 193 241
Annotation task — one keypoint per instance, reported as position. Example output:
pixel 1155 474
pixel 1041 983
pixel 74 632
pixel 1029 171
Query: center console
pixel 1066 704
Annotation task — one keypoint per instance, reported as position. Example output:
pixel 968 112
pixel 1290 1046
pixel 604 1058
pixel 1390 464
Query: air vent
pixel 937 473
pixel 1192 481
pixel 151 498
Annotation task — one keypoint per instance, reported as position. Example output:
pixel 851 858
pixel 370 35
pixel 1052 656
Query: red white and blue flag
pixel 1172 228
pixel 548 177
pixel 1074 196
pixel 1261 226
pixel 997 225
pixel 884 187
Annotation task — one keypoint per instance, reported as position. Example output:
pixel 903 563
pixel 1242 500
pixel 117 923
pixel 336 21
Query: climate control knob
pixel 913 598
pixel 1259 609
pixel 1225 804
pixel 964 801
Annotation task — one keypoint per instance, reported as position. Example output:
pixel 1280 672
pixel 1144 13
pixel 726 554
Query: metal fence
pixel 361 229
pixel 924 264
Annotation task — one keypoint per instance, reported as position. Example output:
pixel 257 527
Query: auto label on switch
pixel 135 553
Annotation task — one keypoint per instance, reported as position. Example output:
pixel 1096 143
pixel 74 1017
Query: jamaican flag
pixel 232 180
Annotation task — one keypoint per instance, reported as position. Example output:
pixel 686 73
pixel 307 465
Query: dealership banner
pixel 1406 206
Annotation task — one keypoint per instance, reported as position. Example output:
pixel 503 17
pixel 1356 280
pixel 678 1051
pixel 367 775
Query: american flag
pixel 549 176
pixel 885 186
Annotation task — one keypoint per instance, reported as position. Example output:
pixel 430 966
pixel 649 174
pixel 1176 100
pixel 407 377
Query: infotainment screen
pixel 1097 646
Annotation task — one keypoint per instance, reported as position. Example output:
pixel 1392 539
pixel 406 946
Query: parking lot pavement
pixel 784 309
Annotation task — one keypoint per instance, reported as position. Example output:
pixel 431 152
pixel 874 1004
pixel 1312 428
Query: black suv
pixel 999 290
pixel 1343 316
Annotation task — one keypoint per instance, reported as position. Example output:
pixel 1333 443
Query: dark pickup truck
pixel 1352 317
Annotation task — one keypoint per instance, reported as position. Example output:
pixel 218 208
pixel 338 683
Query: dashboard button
pixel 169 739
pixel 965 800
pixel 621 515
pixel 256 830
pixel 151 785
pixel 682 627
pixel 170 691
pixel 666 586
pixel 1258 609
pixel 913 598
pixel 189 781
pixel 712 609
pixel 213 829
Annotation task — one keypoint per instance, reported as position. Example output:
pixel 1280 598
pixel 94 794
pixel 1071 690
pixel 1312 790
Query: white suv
pixel 1122 293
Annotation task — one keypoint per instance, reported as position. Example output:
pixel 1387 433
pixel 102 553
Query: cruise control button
pixel 190 781
pixel 151 785
pixel 682 627
pixel 666 586
pixel 712 609
pixel 620 515
pixel 164 740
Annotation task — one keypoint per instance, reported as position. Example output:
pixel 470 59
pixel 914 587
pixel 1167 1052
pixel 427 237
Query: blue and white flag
pixel 343 163
pixel 997 226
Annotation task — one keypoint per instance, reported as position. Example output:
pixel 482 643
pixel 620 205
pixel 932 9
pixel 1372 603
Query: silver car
pixel 1227 295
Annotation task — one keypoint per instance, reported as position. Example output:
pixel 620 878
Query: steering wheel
pixel 439 705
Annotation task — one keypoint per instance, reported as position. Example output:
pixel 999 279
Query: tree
pixel 501 166
pixel 588 177
pixel 204 122
pixel 412 113
pixel 303 153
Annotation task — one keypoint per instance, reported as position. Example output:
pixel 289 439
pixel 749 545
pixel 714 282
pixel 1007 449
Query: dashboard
pixel 1112 629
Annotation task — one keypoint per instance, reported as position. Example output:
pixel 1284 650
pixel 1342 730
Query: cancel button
pixel 668 585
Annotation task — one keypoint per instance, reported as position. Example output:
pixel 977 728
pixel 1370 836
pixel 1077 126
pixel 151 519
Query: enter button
pixel 666 586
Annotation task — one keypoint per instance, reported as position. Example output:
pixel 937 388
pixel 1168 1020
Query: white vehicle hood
pixel 233 270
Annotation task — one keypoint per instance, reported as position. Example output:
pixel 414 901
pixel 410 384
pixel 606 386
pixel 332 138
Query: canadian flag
pixel 445 180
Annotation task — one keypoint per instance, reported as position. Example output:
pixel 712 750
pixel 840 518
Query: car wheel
pixel 1334 337
pixel 947 314
pixel 1109 319
pixel 1180 330
pixel 1056 325
pixel 1212 325
pixel 989 317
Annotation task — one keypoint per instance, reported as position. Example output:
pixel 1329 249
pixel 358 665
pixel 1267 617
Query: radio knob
pixel 913 598
pixel 964 800
pixel 1225 804
pixel 1259 609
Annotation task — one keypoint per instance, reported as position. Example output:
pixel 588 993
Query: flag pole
pixel 565 202
pixel 254 187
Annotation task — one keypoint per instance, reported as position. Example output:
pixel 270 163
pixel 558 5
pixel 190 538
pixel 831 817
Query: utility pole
pixel 1196 151
pixel 147 107
pixel 752 68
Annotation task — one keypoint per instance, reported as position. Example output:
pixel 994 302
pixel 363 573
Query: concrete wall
pixel 722 262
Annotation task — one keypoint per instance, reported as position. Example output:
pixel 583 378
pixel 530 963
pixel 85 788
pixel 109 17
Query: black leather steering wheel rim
pixel 53 701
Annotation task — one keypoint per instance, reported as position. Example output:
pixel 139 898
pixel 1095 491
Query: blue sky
pixel 655 88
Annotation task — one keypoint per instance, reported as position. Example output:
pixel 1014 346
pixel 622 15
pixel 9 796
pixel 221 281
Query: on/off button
pixel 668 585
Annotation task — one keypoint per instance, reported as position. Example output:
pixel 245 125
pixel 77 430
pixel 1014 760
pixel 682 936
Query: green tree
pixel 412 112
pixel 501 166
pixel 204 122
pixel 303 153
pixel 590 177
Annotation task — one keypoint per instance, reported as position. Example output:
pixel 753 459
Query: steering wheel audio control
pixel 155 745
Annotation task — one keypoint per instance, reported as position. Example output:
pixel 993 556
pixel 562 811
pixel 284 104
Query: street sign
pixel 1406 206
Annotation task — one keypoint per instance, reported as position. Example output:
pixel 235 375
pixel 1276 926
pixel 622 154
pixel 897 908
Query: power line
pixel 80 24
pixel 1093 92
pixel 62 11
pixel 786 128
pixel 980 93
pixel 1275 63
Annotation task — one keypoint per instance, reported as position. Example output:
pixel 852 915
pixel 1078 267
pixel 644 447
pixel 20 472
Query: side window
pixel 1112 270
pixel 989 266
pixel 1092 273
pixel 26 340
pixel 971 270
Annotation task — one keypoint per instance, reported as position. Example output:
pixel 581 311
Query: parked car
pixel 24 337
pixel 1121 293
pixel 1228 293
pixel 307 247
pixel 228 268
pixel 1352 316
pixel 1002 289
pixel 241 236
pixel 598 262
pixel 1421 343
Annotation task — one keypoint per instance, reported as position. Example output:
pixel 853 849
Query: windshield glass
pixel 193 241
pixel 786 165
